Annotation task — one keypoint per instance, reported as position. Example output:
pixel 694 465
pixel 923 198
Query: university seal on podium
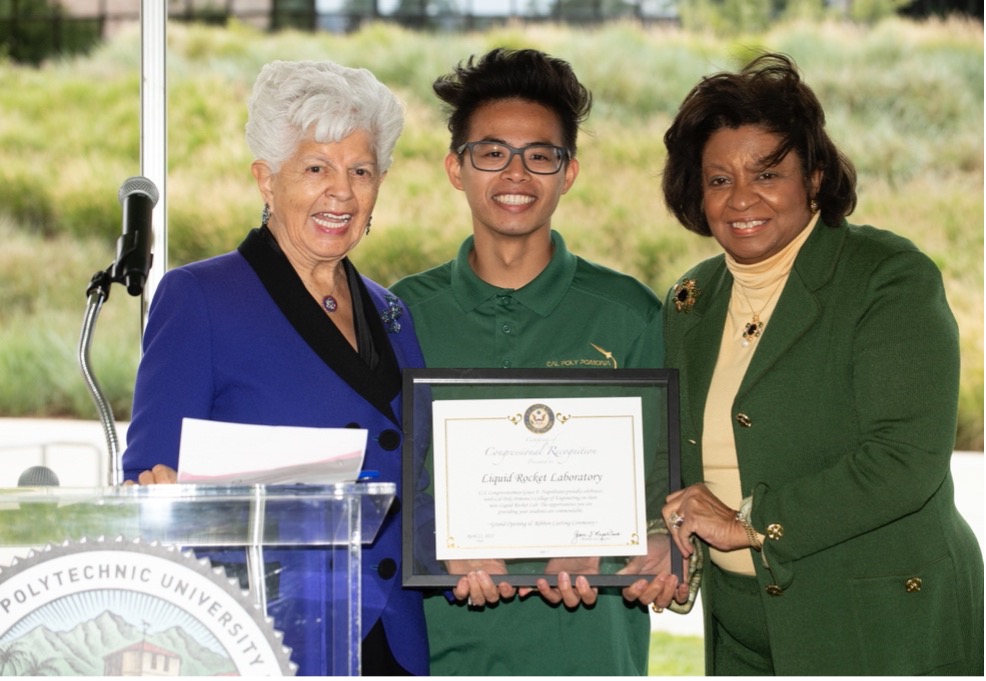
pixel 127 608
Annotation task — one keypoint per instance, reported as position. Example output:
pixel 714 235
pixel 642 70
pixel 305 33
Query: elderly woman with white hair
pixel 284 331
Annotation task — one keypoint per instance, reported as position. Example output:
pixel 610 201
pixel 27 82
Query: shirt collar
pixel 541 295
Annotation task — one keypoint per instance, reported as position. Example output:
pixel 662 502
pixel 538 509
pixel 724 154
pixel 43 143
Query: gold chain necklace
pixel 753 328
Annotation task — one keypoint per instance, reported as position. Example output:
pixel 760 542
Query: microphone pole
pixel 97 293
pixel 137 196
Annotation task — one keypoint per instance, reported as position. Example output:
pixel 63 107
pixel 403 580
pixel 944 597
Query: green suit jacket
pixel 844 427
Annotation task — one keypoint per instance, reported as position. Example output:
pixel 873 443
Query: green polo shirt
pixel 575 314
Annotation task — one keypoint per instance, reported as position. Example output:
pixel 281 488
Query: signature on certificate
pixel 594 536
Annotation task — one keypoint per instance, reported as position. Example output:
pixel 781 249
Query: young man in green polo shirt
pixel 515 297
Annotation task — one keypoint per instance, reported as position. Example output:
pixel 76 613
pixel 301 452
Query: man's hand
pixel 477 586
pixel 566 592
pixel 657 561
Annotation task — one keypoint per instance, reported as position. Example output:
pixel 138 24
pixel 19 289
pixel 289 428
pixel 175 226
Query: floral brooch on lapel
pixel 685 294
pixel 392 314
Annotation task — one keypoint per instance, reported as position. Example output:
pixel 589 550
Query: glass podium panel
pixel 282 571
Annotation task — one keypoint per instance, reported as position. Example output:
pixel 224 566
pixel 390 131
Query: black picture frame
pixel 658 389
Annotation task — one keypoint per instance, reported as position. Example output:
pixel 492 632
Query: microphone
pixel 138 196
pixel 38 476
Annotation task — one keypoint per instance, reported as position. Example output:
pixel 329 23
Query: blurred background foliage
pixel 904 100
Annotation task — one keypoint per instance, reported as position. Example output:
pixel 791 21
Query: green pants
pixel 740 646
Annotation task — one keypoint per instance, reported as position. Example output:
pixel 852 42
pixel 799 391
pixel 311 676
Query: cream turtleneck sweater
pixel 756 289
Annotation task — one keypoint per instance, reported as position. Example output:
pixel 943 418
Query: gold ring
pixel 655 608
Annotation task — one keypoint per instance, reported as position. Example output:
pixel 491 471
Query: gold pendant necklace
pixel 753 328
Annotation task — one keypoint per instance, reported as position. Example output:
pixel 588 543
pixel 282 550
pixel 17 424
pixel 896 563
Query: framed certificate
pixel 526 472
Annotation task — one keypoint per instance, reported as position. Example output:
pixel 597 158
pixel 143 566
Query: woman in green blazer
pixel 819 369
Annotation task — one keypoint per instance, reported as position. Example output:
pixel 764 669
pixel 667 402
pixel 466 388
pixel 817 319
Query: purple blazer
pixel 238 338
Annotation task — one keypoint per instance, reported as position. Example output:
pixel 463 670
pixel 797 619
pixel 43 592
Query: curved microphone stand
pixel 137 196
pixel 97 294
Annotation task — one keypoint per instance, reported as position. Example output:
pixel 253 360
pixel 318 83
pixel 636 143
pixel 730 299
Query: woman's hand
pixel 159 475
pixel 695 510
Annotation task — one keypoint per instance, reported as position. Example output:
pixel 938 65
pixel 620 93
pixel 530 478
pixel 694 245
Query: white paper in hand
pixel 215 452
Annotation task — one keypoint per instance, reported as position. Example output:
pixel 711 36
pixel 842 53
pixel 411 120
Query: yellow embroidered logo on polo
pixel 607 361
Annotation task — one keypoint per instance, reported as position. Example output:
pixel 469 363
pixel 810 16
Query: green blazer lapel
pixel 701 339
pixel 798 308
pixel 796 312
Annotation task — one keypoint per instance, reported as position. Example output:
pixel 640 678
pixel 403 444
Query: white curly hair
pixel 292 100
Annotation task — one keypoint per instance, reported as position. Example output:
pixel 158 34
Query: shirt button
pixel 506 328
pixel 773 590
pixel 913 585
pixel 505 364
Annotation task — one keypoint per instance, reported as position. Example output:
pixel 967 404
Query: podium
pixel 186 553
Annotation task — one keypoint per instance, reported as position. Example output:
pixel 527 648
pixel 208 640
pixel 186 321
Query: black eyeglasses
pixel 540 159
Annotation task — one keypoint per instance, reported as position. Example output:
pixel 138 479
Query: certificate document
pixel 539 478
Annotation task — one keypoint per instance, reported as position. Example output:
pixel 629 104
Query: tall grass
pixel 903 99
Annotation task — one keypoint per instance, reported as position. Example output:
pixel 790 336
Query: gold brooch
pixel 685 294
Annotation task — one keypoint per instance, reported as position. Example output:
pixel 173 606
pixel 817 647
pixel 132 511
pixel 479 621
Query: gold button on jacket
pixel 775 531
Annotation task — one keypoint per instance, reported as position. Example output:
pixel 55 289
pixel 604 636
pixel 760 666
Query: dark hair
pixel 767 93
pixel 500 74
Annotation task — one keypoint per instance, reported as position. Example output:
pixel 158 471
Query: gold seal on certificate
pixel 539 418
pixel 523 466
